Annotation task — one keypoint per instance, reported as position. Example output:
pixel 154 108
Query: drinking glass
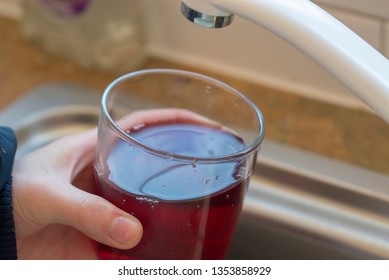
pixel 176 150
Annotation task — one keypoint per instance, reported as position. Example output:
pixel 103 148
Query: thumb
pixel 94 216
pixel 47 200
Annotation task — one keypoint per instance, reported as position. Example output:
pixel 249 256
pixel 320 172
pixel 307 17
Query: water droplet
pixel 208 89
pixel 194 163
pixel 169 156
pixel 208 181
pixel 217 177
pixel 198 206
pixel 227 196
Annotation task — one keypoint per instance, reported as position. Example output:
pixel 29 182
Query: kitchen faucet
pixel 345 55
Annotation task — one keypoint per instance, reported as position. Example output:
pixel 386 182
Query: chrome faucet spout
pixel 345 55
pixel 200 13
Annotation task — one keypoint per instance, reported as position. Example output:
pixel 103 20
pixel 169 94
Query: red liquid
pixel 188 210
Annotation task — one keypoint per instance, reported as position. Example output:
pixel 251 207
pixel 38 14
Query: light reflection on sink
pixel 47 125
pixel 299 205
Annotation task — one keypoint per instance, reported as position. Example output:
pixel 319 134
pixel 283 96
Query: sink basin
pixel 299 205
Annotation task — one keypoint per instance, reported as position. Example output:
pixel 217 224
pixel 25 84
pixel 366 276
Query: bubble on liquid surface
pixel 241 173
pixel 148 200
pixel 100 173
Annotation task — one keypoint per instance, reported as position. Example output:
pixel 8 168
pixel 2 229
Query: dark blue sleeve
pixel 7 229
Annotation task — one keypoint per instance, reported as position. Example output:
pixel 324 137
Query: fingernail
pixel 124 230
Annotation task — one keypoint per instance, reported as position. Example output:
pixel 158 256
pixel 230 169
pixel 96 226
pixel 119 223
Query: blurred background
pixel 246 51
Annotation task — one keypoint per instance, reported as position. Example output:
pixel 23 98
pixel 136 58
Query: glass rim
pixel 178 157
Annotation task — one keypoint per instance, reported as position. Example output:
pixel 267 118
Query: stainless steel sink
pixel 299 205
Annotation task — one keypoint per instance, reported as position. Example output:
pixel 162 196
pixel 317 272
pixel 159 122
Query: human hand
pixel 56 214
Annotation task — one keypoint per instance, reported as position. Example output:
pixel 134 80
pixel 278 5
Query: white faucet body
pixel 344 54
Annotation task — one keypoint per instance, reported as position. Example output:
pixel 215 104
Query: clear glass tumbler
pixel 176 150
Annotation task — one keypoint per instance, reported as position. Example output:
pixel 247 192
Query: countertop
pixel 350 135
